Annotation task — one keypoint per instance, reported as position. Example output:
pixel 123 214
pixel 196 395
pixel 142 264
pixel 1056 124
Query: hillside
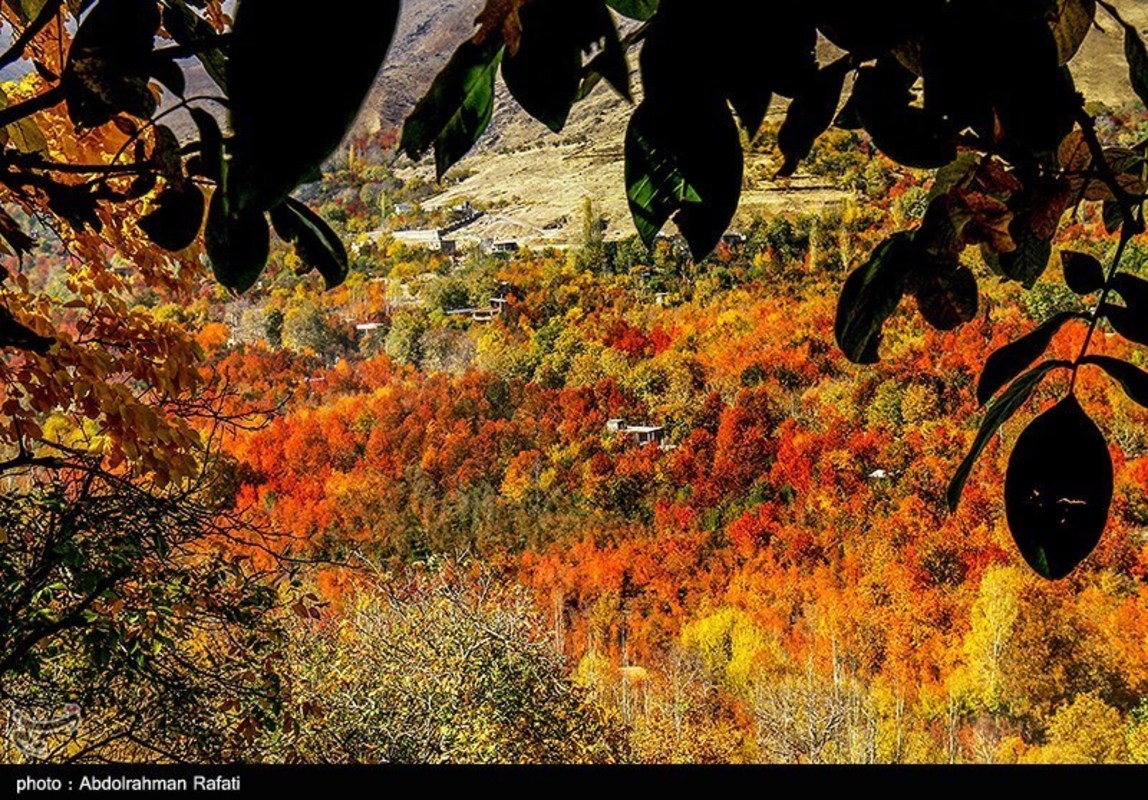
pixel 539 179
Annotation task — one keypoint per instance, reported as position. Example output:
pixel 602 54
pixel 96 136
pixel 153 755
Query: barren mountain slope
pixel 539 179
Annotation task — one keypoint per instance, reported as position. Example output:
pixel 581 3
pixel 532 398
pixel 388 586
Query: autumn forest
pixel 316 449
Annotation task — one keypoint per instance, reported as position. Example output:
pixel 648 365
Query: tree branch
pixel 16 51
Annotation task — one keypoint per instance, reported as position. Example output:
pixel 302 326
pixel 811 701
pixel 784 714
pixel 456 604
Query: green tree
pixel 404 340
pixel 306 329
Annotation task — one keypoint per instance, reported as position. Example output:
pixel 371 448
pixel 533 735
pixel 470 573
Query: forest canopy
pixel 1000 123
pixel 280 486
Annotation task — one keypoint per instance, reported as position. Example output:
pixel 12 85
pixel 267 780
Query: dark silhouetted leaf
pixel 75 204
pixel 751 101
pixel 457 108
pixel 611 63
pixel 1133 379
pixel 1028 261
pixel 1012 359
pixel 1133 289
pixel 238 243
pixel 545 74
pixel 993 67
pixel 177 217
pixel 869 29
pixel 279 140
pixel 166 154
pixel 1058 489
pixel 167 72
pixel 686 159
pixel 694 53
pixel 907 134
pixel 1113 216
pixel 191 30
pixel 946 295
pixel 1000 412
pixel 209 163
pixel 314 240
pixel 810 114
pixel 871 295
pixel 110 62
pixel 1129 324
pixel 1082 272
pixel 1130 320
pixel 1136 55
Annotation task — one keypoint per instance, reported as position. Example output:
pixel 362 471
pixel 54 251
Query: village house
pixel 429 239
pixel 641 435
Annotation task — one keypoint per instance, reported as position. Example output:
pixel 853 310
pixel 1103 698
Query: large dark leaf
pixel 1012 359
pixel 871 295
pixel 175 221
pixel 1129 324
pixel 873 27
pixel 209 161
pixel 610 63
pixel 946 294
pixel 686 159
pixel 1058 489
pixel 284 131
pixel 810 114
pixel 545 74
pixel 238 243
pixel 1130 320
pixel 457 108
pixel 110 62
pixel 695 52
pixel 191 30
pixel 1134 290
pixel 170 74
pixel 1133 379
pixel 1082 272
pixel 883 103
pixel 314 240
pixel 1000 412
pixel 1028 261
pixel 1136 54
pixel 994 67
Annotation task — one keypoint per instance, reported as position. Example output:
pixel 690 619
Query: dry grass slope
pixel 539 180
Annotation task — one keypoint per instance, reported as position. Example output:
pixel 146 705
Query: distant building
pixel 367 327
pixel 423 239
pixel 642 435
pixel 733 239
pixel 505 247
